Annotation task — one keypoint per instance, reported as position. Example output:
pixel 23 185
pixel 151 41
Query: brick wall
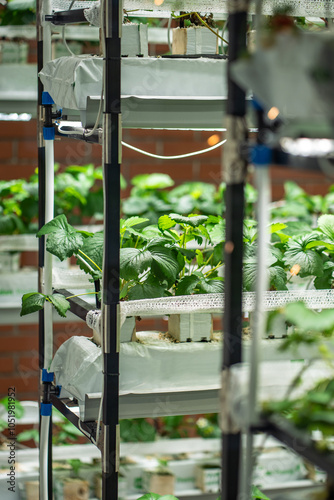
pixel 18 158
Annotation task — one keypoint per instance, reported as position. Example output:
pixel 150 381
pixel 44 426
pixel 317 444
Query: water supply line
pixel 261 159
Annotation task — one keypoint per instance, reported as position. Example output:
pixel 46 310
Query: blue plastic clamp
pixel 46 409
pixel 49 133
pixel 256 104
pixel 47 99
pixel 47 376
pixel 261 155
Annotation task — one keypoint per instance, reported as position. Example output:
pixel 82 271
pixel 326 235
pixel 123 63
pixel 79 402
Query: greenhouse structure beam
pixel 112 131
pixel 235 167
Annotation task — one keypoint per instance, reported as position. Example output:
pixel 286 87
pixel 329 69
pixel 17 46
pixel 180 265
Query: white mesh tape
pixel 65 4
pixel 93 14
pixel 93 320
pixel 314 299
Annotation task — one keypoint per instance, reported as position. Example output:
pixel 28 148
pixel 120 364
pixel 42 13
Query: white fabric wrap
pixel 144 368
pixel 69 80
pixel 93 14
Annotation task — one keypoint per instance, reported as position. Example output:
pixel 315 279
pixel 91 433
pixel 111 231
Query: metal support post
pixel 112 14
pixel 234 172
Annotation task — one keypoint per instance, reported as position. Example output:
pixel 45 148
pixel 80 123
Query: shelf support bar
pixel 112 20
pixel 235 167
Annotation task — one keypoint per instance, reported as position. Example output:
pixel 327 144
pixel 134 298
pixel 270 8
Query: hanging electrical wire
pixel 174 157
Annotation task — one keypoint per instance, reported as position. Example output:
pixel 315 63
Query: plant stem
pixel 79 294
pixel 86 256
pixel 213 269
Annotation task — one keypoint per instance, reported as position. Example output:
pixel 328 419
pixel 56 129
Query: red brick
pixel 18 130
pixel 130 135
pixel 28 363
pixel 70 152
pixel 29 328
pixel 6 150
pixel 180 148
pixel 29 259
pixel 6 365
pixel 27 149
pixel 150 147
pixel 211 173
pixel 10 171
pixel 6 329
pixel 19 344
pixel 22 383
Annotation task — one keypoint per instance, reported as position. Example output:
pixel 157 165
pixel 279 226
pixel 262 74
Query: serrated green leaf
pixel 133 262
pixel 63 240
pixel 319 397
pixel 134 205
pixel 192 220
pixel 145 291
pixel 258 495
pixel 210 285
pixel 217 233
pixel 132 221
pixel 32 302
pixel 309 260
pixel 166 222
pixel 152 181
pixel 150 496
pixel 320 243
pixel 187 285
pixel 164 263
pixel 60 303
pixel 326 225
pixel 199 258
pixel 298 314
pixel 276 227
pixel 278 278
pixel 93 248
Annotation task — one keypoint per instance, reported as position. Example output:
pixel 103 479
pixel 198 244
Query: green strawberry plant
pixel 154 260
pixel 313 410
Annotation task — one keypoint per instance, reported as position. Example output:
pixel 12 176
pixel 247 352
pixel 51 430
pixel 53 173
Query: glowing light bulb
pixel 158 2
pixel 273 113
pixel 213 139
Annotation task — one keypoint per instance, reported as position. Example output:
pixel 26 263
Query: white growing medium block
pixel 194 40
pixel 208 478
pixel 134 40
pixel 192 326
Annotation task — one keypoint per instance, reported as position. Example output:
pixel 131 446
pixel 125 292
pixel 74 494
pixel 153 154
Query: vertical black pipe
pixel 41 218
pixel 111 164
pixel 231 442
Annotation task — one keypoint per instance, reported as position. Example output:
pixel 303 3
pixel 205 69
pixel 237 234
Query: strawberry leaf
pixel 60 303
pixel 63 240
pixel 32 302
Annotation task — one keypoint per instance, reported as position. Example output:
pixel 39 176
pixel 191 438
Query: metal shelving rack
pixel 109 437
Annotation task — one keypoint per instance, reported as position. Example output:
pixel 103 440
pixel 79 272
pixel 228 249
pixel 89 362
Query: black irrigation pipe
pixel 41 221
pixel 110 283
pixel 67 17
pixel 62 406
pixel 236 110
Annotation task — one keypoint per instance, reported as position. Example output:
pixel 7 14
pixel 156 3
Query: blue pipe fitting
pixel 49 133
pixel 261 155
pixel 47 376
pixel 46 409
pixel 47 99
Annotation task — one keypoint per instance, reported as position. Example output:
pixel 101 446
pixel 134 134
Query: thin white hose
pixel 168 34
pixel 262 183
pixel 43 457
pixel 49 214
pixel 174 157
